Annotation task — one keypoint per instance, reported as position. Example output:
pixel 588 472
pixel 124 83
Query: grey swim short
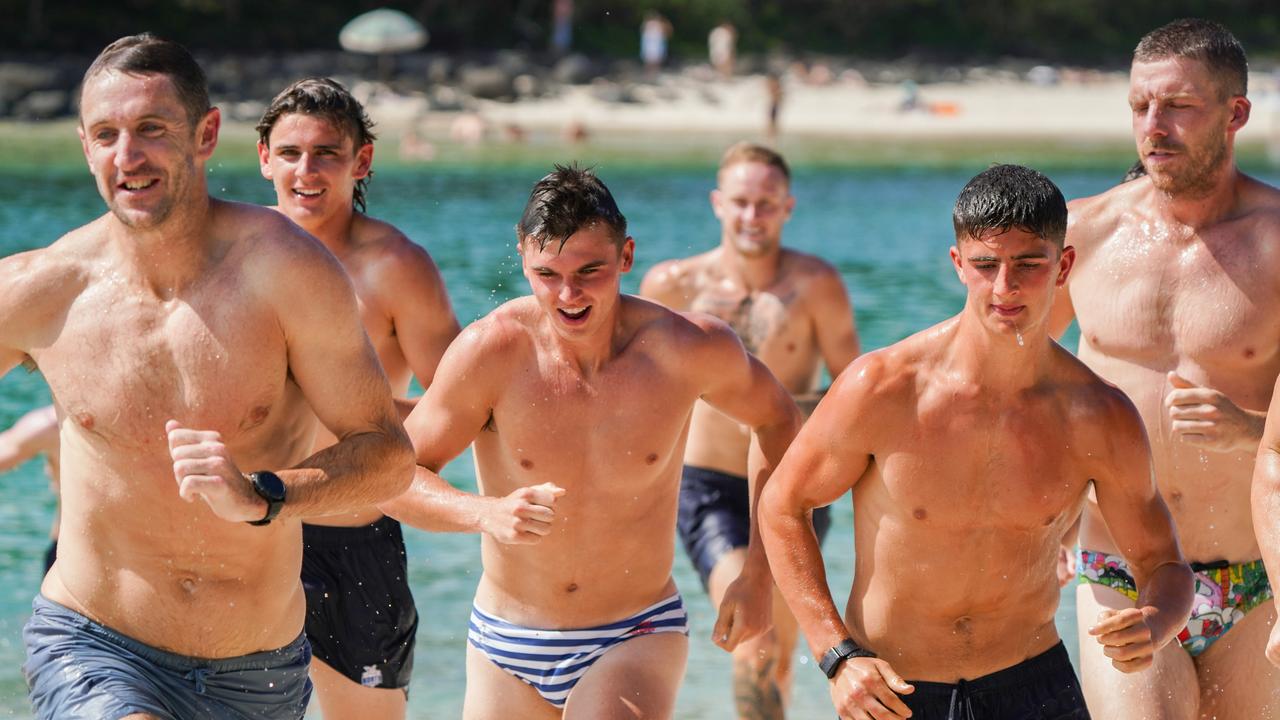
pixel 77 669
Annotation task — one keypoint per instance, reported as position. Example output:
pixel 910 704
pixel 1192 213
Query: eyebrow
pixel 318 147
pixel 1023 256
pixel 589 266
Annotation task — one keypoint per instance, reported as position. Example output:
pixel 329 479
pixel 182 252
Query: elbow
pixel 399 462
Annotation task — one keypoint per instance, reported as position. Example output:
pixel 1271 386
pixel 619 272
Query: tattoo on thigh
pixel 755 694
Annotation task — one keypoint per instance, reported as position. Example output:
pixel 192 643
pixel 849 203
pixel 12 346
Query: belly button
pixel 573 587
pixel 189 586
pixel 526 463
pixel 651 458
pixel 919 514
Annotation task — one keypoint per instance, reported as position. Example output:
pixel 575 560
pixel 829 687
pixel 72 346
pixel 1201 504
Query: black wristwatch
pixel 833 658
pixel 271 488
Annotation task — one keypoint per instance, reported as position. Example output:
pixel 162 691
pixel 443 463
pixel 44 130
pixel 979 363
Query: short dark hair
pixel 1135 171
pixel 567 200
pixel 147 54
pixel 328 99
pixel 1202 40
pixel 752 152
pixel 1005 197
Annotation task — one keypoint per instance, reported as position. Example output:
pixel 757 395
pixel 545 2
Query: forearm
pixel 795 559
pixel 768 444
pixel 432 504
pixel 1168 590
pixel 1266 509
pixel 359 471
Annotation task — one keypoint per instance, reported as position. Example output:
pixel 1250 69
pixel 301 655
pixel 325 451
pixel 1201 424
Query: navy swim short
pixel 715 516
pixel 77 669
pixel 1044 687
pixel 361 618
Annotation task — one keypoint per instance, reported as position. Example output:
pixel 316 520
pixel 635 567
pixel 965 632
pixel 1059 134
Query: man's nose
pixel 128 152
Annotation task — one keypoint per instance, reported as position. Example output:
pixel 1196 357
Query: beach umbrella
pixel 382 32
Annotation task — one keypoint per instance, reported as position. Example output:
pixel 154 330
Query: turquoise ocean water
pixel 885 226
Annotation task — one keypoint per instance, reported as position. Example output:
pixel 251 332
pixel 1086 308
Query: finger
pixel 1178 381
pixel 1197 396
pixel 171 425
pixel 1191 427
pixel 895 681
pixel 213 467
pixel 1136 633
pixel 544 494
pixel 1126 653
pixel 534 527
pixel 198 486
pixel 1132 666
pixel 1198 411
pixel 724 626
pixel 1112 620
pixel 183 436
pixel 892 704
pixel 540 513
pixel 196 451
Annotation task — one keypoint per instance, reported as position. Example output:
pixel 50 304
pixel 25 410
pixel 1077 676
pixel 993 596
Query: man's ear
pixel 628 254
pixel 957 261
pixel 264 160
pixel 364 162
pixel 1240 109
pixel 1065 263
pixel 207 133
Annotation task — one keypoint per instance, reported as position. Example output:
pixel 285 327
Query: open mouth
pixel 137 185
pixel 1007 310
pixel 308 193
pixel 574 316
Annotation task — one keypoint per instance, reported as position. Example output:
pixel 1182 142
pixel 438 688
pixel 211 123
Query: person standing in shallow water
pixel 186 339
pixel 578 401
pixel 316 147
pixel 790 310
pixel 970 448
pixel 1176 297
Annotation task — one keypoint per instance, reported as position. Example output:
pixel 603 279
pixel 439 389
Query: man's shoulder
pixel 676 274
pixel 47 273
pixel 268 238
pixel 388 258
pixel 1093 399
pixel 1261 200
pixel 1092 218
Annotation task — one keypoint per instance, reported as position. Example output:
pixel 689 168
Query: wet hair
pixel 1006 197
pixel 1135 171
pixel 146 54
pixel 327 99
pixel 1202 40
pixel 567 200
pixel 751 152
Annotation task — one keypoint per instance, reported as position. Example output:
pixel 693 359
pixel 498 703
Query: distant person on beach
pixel 561 26
pixel 35 434
pixel 970 448
pixel 316 147
pixel 773 96
pixel 578 399
pixel 791 311
pixel 187 339
pixel 1177 300
pixel 722 48
pixel 654 33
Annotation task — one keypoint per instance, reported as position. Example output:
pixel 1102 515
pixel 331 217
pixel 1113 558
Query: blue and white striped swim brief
pixel 553 661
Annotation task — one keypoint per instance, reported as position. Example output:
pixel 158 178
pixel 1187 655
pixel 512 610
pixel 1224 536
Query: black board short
pixel 1044 687
pixel 361 619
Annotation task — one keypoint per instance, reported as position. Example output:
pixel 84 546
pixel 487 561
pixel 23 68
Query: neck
pixel 333 230
pixel 998 361
pixel 753 273
pixel 171 256
pixel 1202 209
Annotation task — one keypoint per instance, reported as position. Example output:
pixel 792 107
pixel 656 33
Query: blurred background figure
pixel 773 91
pixel 35 434
pixel 722 47
pixel 654 32
pixel 561 26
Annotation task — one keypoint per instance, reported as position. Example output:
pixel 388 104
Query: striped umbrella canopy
pixel 381 32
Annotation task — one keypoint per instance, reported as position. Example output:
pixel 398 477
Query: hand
pixel 1066 566
pixel 868 689
pixel 203 467
pixel 746 610
pixel 523 517
pixel 1273 645
pixel 1126 638
pixel 1207 418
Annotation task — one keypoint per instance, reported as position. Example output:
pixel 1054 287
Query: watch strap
pixel 271 488
pixel 832 660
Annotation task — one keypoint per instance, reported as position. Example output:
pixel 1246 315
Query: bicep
pixel 456 406
pixel 829 456
pixel 837 329
pixel 331 358
pixel 1131 505
pixel 740 386
pixel 425 325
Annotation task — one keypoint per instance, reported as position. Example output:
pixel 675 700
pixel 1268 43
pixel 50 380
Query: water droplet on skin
pixel 1019 336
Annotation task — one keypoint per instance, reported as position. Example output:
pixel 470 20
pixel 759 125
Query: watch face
pixel 269 485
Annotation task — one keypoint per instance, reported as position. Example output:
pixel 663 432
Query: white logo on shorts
pixel 372 676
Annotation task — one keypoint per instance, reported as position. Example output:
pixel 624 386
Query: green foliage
pixel 1082 31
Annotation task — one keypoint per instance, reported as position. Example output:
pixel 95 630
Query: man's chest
pixel 122 365
pixel 1139 299
pixel 767 321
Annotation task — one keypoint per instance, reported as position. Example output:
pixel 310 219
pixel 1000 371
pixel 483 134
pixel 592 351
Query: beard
pixel 1198 174
pixel 157 213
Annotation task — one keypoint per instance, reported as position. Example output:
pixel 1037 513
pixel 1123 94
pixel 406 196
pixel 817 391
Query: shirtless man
pixel 316 146
pixel 1266 505
pixel 970 448
pixel 792 312
pixel 185 339
pixel 578 399
pixel 1175 292
pixel 35 434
